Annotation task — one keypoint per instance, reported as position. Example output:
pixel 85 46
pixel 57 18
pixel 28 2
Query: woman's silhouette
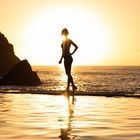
pixel 67 55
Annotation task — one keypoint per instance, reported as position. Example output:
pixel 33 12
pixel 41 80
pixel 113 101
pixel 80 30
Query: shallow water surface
pixel 45 117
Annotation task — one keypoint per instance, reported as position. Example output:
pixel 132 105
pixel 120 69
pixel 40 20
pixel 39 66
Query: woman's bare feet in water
pixel 74 88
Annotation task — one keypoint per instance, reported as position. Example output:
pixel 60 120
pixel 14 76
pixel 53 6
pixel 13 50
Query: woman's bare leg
pixel 67 65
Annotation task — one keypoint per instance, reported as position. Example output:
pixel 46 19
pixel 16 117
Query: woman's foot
pixel 74 88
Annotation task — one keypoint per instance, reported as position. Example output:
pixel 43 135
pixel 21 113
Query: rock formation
pixel 7 56
pixel 22 74
pixel 13 71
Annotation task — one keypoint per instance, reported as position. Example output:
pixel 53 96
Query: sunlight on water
pixel 62 79
pixel 33 117
pixel 93 78
pixel 88 79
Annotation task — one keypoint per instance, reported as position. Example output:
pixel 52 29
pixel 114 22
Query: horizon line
pixel 88 65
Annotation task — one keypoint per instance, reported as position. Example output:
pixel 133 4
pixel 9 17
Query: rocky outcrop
pixel 13 71
pixel 7 56
pixel 22 74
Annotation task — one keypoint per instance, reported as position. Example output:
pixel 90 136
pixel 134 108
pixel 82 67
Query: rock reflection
pixel 67 124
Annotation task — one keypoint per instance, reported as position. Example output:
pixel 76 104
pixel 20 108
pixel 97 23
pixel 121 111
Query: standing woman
pixel 67 55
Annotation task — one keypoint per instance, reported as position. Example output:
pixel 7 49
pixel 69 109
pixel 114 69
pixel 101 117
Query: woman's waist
pixel 67 55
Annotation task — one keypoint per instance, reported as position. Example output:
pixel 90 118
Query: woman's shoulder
pixel 70 41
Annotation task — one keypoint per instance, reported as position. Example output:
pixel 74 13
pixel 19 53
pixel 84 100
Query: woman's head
pixel 65 32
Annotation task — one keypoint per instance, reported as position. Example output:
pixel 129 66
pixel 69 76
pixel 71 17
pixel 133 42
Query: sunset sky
pixel 106 31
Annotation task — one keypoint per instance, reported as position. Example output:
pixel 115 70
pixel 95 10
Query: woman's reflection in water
pixel 65 133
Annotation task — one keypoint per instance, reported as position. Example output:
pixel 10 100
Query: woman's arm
pixel 60 61
pixel 76 47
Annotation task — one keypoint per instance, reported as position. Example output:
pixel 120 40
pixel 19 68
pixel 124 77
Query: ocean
pixel 88 79
pixel 47 116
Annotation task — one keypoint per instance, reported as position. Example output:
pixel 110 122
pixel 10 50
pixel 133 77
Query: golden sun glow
pixel 107 33
pixel 42 37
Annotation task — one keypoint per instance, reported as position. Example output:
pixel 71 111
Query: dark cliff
pixel 7 56
pixel 13 71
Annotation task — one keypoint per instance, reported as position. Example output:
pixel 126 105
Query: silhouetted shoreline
pixel 77 93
